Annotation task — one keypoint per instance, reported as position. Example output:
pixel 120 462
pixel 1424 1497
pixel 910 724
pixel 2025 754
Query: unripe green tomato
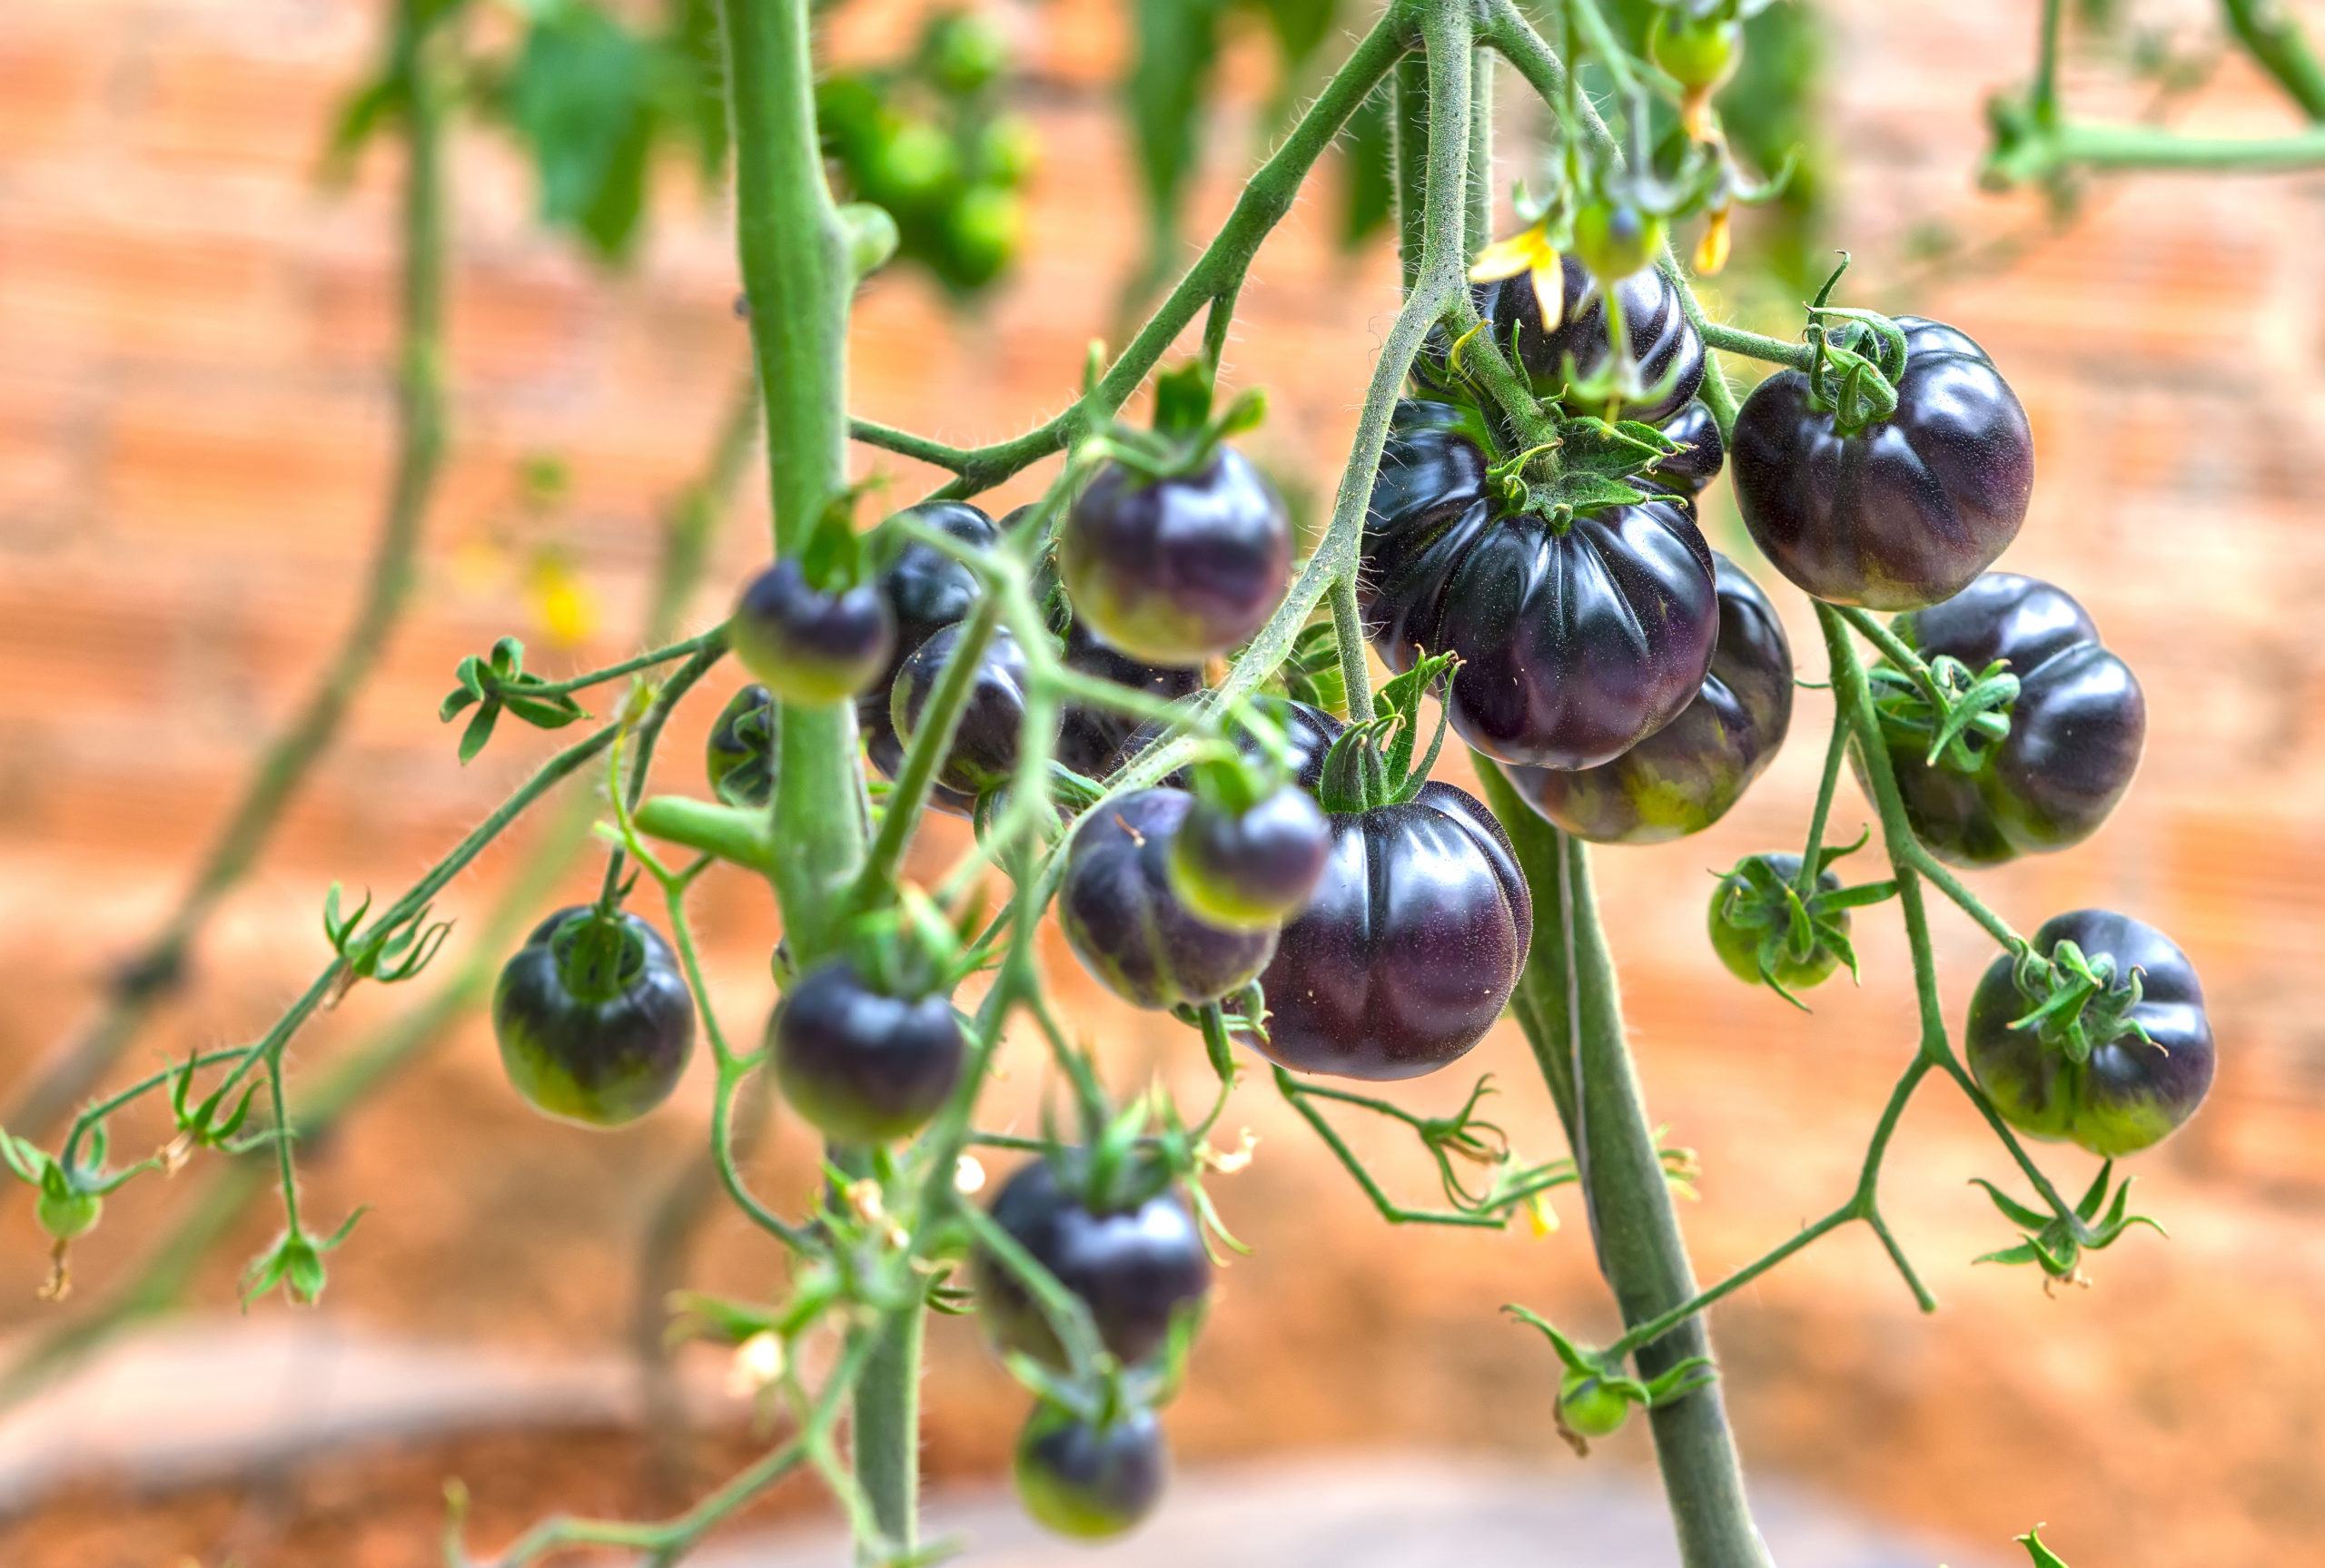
pixel 1700 52
pixel 1007 150
pixel 980 235
pixel 912 165
pixel 965 52
pixel 73 1214
pixel 1591 1408
pixel 1738 946
pixel 1615 239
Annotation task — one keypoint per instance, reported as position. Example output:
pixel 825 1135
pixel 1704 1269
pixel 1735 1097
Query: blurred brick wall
pixel 194 428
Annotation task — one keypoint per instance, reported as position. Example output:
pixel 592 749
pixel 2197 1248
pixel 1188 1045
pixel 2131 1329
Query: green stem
pixel 2272 36
pixel 1751 345
pixel 1479 222
pixel 2043 99
pixel 1719 394
pixel 2042 154
pixel 1568 1005
pixel 1408 124
pixel 1836 750
pixel 932 743
pixel 1348 630
pixel 631 667
pixel 799 277
pixel 77 1065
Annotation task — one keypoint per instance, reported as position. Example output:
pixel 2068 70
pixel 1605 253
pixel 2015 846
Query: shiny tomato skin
pixel 1134 1268
pixel 1903 513
pixel 2129 1095
pixel 1662 341
pixel 1094 741
pixel 984 744
pixel 1125 923
pixel 860 1066
pixel 1686 775
pixel 1180 569
pixel 2077 729
pixel 1088 1482
pixel 1410 945
pixel 1701 455
pixel 810 646
pixel 1576 644
pixel 926 590
pixel 596 1062
pixel 1252 870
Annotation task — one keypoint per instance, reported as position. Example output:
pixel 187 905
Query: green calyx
pixel 2078 1003
pixel 1791 939
pixel 1857 363
pixel 1597 1396
pixel 1954 717
pixel 1372 765
pixel 2055 1243
pixel 1186 432
pixel 1588 468
pixel 599 955
pixel 833 559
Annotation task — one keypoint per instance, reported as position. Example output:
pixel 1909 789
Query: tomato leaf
pixel 582 93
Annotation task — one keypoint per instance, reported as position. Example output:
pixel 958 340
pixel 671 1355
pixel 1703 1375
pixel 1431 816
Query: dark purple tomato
pixel 2130 1093
pixel 1134 1269
pixel 1251 870
pixel 1124 921
pixel 1177 570
pixel 1577 643
pixel 2076 730
pixel 985 745
pixel 1901 514
pixel 1087 1480
pixel 859 1065
pixel 740 756
pixel 1739 943
pixel 593 1017
pixel 1094 741
pixel 926 590
pixel 1662 341
pixel 1686 775
pixel 809 646
pixel 1409 946
pixel 1701 453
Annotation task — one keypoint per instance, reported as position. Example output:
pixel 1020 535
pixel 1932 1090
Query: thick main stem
pixel 798 273
pixel 1575 1030
pixel 147 978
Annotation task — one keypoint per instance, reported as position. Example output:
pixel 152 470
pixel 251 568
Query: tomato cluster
pixel 923 139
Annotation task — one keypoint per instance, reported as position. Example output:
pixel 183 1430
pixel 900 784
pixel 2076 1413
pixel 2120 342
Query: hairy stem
pixel 1568 1007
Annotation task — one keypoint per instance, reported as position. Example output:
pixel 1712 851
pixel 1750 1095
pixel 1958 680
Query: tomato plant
pixel 1120 683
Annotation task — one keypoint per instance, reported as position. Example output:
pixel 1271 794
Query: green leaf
pixel 2043 1556
pixel 583 94
pixel 480 731
pixel 1177 48
pixel 360 116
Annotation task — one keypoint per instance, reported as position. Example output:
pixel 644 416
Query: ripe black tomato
pixel 740 755
pixel 1134 1267
pixel 1662 341
pixel 1576 644
pixel 810 646
pixel 594 1018
pixel 2076 730
pixel 1701 455
pixel 1253 869
pixel 1094 741
pixel 926 590
pixel 1127 924
pixel 1411 945
pixel 1905 512
pixel 1686 775
pixel 1179 570
pixel 1089 1481
pixel 2130 1093
pixel 860 1065
pixel 985 746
